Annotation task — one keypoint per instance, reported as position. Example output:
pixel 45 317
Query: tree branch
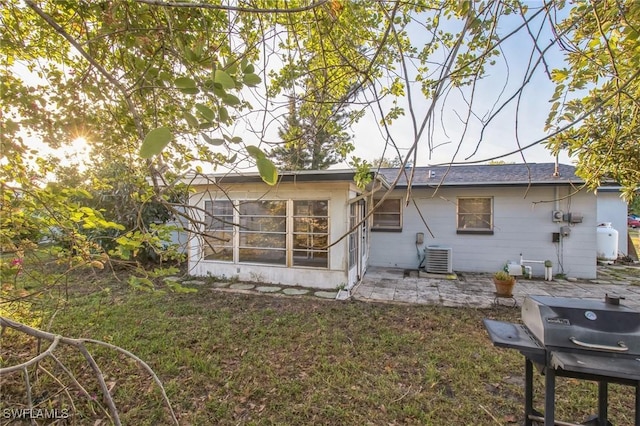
pixel 229 8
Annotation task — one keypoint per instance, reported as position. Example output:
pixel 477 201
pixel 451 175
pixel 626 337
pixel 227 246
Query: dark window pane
pixel 263 224
pixel 218 253
pixel 306 241
pixel 311 208
pixel 388 215
pixel 389 206
pixel 307 258
pixel 474 213
pixel 309 224
pixel 263 208
pixel 221 223
pixel 273 257
pixel 387 220
pixel 218 246
pixel 257 239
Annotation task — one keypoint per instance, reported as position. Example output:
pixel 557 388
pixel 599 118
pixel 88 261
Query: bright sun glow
pixel 76 152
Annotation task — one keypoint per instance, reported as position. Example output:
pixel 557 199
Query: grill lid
pixel 582 324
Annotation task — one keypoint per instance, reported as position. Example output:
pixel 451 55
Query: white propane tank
pixel 607 242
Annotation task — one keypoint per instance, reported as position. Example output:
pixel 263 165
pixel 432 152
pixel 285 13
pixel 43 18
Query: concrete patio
pixel 477 290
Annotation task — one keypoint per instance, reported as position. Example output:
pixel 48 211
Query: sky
pixel 523 123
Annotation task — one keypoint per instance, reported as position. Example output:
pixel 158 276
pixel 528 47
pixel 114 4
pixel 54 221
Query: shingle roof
pixel 499 174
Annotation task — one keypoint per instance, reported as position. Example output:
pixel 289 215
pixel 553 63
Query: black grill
pixel 578 338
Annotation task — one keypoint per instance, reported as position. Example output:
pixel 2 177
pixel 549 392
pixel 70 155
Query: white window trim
pixel 482 231
pixel 392 228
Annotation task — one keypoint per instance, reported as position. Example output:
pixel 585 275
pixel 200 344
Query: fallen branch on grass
pixel 80 345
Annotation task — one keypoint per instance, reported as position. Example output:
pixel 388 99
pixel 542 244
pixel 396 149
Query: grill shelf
pixel 602 363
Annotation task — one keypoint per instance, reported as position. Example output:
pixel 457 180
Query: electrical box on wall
pixel 557 215
pixel 555 237
pixel 565 231
pixel 420 238
pixel 573 217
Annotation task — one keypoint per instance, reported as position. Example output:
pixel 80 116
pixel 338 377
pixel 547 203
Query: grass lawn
pixel 634 235
pixel 231 358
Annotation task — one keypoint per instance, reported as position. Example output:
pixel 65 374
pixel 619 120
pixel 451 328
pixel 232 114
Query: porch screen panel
pixel 352 236
pixel 311 233
pixel 475 214
pixel 262 229
pixel 218 238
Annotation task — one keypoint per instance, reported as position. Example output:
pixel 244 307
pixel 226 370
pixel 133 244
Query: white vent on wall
pixel 439 260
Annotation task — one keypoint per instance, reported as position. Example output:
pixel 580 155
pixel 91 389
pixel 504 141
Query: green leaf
pixel 251 79
pixel 231 100
pixel 155 141
pixel 233 158
pixel 236 139
pixel 267 170
pixel 191 120
pixel 186 85
pixel 224 79
pixel 191 91
pixel 559 76
pixel 223 114
pixel 219 91
pixel 206 112
pixel 212 141
pixel 232 69
pixel 249 69
pixel 255 152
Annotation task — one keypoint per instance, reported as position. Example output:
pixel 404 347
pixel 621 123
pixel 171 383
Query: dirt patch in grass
pixel 233 359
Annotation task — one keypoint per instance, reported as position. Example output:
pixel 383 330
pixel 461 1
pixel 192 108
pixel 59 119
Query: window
pixel 388 215
pixel 310 233
pixel 475 215
pixel 263 232
pixel 287 233
pixel 353 237
pixel 218 240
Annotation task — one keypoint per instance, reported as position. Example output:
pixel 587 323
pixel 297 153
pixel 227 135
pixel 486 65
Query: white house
pixel 318 229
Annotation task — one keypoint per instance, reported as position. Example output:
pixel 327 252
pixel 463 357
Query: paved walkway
pixel 477 290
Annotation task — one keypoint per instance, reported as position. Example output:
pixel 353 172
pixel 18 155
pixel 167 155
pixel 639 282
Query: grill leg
pixel 549 397
pixel 638 404
pixel 528 392
pixel 603 396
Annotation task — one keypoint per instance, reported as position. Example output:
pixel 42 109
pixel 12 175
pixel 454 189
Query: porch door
pixel 358 243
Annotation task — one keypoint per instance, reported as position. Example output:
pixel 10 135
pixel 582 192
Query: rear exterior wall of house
pixel 519 222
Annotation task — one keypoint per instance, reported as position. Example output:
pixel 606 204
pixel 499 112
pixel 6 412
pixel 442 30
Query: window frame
pixel 379 210
pixel 246 233
pixel 228 227
pixel 471 230
pixel 311 234
pixel 286 231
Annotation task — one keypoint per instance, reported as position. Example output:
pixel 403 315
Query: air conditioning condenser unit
pixel 438 260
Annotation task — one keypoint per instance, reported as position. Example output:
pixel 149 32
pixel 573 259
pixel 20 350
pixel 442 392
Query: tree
pixel 384 162
pixel 308 144
pixel 166 88
pixel 596 106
